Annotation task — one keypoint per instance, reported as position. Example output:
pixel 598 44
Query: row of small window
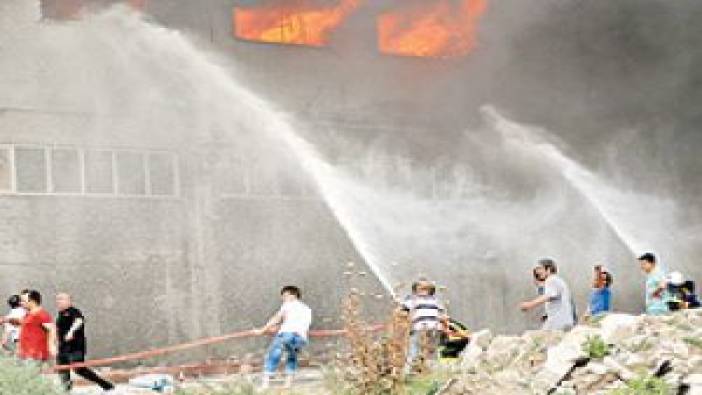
pixel 257 177
pixel 33 169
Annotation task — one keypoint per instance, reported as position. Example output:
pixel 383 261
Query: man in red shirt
pixel 38 333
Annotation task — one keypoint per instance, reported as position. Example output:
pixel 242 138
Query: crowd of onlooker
pixel 431 325
pixel 663 293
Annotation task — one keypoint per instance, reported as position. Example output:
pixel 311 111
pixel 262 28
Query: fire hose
pixel 321 333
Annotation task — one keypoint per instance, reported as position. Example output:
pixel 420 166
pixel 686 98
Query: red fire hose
pixel 197 343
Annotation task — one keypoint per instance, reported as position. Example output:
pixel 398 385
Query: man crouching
pixel 294 318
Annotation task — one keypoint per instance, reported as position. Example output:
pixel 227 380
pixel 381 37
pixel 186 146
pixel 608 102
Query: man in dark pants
pixel 70 325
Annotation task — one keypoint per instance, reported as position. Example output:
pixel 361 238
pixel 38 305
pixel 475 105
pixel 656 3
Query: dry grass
pixel 372 363
pixel 375 363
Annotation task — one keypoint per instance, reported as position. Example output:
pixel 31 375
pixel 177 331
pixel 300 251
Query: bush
pixel 19 378
pixel 595 347
pixel 374 364
pixel 645 385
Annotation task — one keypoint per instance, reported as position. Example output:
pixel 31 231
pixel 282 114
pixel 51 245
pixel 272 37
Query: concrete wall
pixel 151 271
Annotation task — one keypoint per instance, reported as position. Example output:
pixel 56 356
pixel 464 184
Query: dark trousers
pixel 66 358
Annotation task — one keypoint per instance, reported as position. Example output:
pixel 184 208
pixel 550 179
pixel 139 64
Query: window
pixel 66 171
pixel 131 173
pixel 31 169
pixel 5 169
pixel 98 172
pixel 270 175
pixel 162 174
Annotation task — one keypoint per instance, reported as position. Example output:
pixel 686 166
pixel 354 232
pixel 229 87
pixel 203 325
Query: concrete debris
pixel 599 358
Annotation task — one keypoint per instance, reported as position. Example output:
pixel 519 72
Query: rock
pixel 508 376
pixel 482 338
pixel 681 350
pixel 695 383
pixel 470 357
pixel 618 327
pixel 619 369
pixel 543 381
pixel 597 368
pixel 503 350
pixel 561 357
pixel 634 361
pixel 586 381
pixel 695 363
pixel 544 337
pixel 567 384
pixel 565 391
pixel 538 360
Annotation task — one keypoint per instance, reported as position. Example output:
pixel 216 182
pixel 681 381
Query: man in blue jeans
pixel 294 318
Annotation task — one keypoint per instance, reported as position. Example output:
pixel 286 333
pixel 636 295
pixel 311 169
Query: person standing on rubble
pixel 657 295
pixel 428 319
pixel 557 299
pixel 601 296
pixel 539 281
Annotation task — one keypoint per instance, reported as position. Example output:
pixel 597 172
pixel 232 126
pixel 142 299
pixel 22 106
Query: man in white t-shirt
pixel 294 318
pixel 11 333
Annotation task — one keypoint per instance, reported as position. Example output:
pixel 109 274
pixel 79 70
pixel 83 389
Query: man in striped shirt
pixel 428 319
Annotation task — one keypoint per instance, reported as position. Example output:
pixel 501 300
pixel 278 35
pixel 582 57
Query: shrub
pixel 19 378
pixel 595 347
pixel 645 385
pixel 374 365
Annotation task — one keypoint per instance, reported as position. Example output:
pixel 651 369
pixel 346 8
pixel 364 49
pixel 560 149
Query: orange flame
pixel 439 31
pixel 286 22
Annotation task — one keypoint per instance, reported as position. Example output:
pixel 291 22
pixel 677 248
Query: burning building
pixel 133 175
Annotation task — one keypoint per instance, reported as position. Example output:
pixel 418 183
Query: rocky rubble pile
pixel 617 355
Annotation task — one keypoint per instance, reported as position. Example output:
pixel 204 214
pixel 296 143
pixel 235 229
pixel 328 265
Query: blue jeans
pixel 292 343
pixel 422 344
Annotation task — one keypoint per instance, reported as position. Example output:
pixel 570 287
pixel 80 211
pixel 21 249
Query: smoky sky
pixel 590 68
pixel 622 62
pixel 585 70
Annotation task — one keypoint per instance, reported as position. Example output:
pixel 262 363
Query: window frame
pixel 81 168
pixel 11 171
pixel 48 150
pixel 47 166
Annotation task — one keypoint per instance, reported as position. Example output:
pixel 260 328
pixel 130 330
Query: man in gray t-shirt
pixel 556 297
